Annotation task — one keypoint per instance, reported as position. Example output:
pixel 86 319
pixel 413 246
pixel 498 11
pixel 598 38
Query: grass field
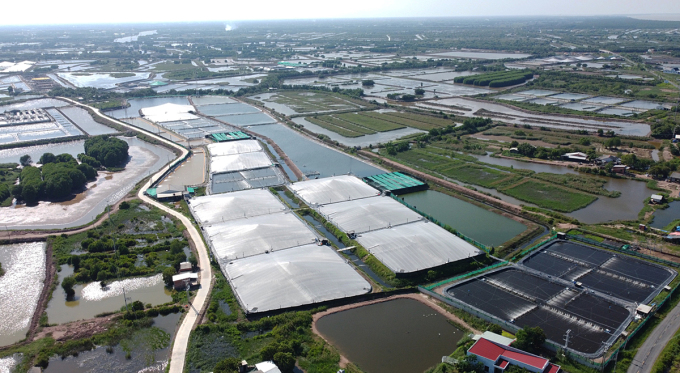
pixel 337 126
pixel 311 102
pixel 556 192
pixel 550 196
pixel 376 124
pixel 422 122
pixel 582 183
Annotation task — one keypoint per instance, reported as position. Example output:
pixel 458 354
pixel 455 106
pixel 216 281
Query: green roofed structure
pixel 396 182
pixel 228 136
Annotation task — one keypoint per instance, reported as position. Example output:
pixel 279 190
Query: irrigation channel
pixel 400 335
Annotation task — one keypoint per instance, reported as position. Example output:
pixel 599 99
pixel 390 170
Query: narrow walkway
pixel 181 342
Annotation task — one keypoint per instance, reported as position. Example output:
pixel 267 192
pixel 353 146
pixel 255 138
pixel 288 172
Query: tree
pixel 526 149
pixel 109 151
pixel 530 339
pixel 167 276
pixel 600 132
pixel 228 365
pixel 284 361
pixel 25 160
pixel 193 261
pixel 47 158
pixel 419 91
pixel 470 364
pixel 10 90
pixel 367 83
pixel 137 306
pixel 67 284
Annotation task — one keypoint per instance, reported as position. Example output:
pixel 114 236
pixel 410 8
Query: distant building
pixel 620 169
pixel 607 159
pixel 493 337
pixel 575 157
pixel 674 177
pixel 266 367
pixel 656 198
pixel 496 358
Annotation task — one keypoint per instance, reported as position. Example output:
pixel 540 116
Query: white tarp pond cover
pixel 333 189
pixel 239 162
pixel 234 147
pixel 246 237
pixel 168 113
pixel 416 246
pixel 368 214
pixel 293 277
pixel 238 205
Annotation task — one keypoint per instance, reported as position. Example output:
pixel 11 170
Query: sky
pixel 143 11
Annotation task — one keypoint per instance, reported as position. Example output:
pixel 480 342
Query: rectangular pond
pixel 400 335
pixel 480 224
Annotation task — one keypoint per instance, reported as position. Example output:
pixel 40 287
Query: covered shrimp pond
pixel 400 335
pixel 91 300
pixel 480 224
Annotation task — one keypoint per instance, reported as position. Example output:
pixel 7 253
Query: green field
pixel 312 102
pixel 338 126
pixel 376 124
pixel 550 196
pixel 422 122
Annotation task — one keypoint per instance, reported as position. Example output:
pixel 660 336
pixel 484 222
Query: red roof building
pixel 496 358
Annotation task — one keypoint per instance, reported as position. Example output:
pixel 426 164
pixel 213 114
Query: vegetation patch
pixel 549 196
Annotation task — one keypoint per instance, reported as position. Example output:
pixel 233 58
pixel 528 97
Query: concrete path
pixel 179 347
pixel 651 350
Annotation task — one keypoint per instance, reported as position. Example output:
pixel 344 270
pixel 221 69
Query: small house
pixel 674 177
pixel 620 169
pixel 515 150
pixel 603 160
pixel 496 358
pixel 656 198
pixel 185 267
pixel 180 281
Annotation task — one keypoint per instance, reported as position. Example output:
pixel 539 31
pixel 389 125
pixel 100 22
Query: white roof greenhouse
pixel 303 275
pixel 332 190
pixel 244 204
pixel 368 214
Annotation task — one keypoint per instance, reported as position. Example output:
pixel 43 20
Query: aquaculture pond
pixel 401 335
pixel 91 299
pixel 625 207
pixel 313 158
pixel 20 288
pixel 666 216
pixel 480 224
pixel 140 103
pixel 149 352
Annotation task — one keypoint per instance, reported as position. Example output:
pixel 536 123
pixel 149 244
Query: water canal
pixel 400 335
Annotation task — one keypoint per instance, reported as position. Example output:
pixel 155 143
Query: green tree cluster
pixel 109 151
pixel 530 339
pixel 57 178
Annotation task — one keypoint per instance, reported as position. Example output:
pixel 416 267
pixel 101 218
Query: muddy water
pixel 312 157
pixel 191 172
pixel 626 207
pixel 482 225
pixel 401 335
pixel 20 288
pixel 143 359
pixel 12 155
pixel 90 300
pixel 110 188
